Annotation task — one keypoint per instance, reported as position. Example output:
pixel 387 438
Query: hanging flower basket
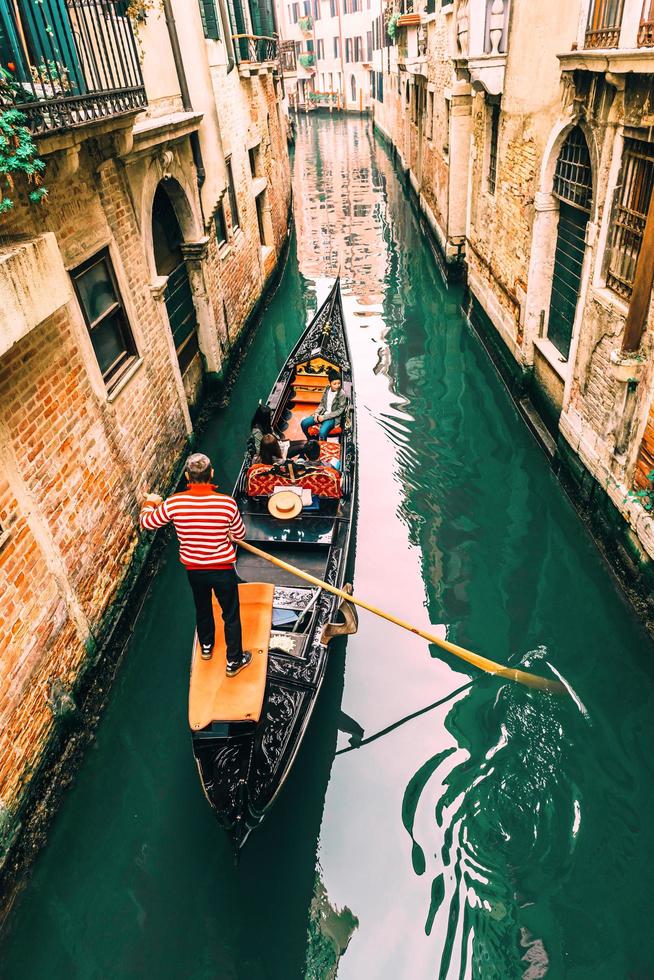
pixel 391 27
pixel 306 25
pixel 307 61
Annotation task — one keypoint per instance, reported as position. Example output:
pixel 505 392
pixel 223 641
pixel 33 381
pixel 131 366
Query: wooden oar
pixel 521 676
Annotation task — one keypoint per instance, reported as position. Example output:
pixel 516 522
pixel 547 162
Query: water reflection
pixel 459 828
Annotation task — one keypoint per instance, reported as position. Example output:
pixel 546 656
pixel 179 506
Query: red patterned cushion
pixel 324 482
pixel 329 451
pixel 314 429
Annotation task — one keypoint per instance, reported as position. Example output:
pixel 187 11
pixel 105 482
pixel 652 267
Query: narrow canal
pixel 438 823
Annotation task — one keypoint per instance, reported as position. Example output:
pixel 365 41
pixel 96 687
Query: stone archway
pixel 573 188
pixel 169 260
pixel 545 233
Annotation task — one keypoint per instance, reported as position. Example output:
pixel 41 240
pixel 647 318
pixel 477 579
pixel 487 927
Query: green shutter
pixel 10 48
pixel 209 16
pixel 48 27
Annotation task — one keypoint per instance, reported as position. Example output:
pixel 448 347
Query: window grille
pixel 630 214
pixel 604 23
pixel 573 178
pixel 492 150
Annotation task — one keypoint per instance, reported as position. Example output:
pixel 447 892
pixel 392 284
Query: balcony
pixel 74 63
pixel 618 39
pixel 646 26
pixel 412 45
pixel 482 37
pixel 287 57
pixel 604 24
pixel 255 54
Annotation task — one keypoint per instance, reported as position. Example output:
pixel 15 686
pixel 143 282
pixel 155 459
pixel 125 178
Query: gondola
pixel 246 731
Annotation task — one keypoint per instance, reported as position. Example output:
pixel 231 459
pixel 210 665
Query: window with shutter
pixel 209 16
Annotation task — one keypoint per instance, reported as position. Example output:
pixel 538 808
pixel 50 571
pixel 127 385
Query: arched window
pixel 167 240
pixel 573 177
pixel 573 186
pixel 353 83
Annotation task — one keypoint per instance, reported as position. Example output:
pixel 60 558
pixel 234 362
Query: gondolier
pixel 205 522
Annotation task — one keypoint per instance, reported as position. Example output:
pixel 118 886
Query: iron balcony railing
pixel 646 28
pixel 604 24
pixel 73 62
pixel 287 56
pixel 252 48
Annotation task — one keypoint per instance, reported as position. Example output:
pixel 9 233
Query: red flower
pixel 11 66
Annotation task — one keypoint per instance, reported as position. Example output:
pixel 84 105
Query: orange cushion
pixel 315 429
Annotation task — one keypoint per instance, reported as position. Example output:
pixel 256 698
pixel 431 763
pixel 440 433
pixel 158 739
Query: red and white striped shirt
pixel 201 518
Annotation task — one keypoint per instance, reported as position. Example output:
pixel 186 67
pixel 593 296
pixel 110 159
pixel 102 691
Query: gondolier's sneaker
pixel 206 650
pixel 234 668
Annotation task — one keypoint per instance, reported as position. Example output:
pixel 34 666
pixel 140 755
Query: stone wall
pixel 75 457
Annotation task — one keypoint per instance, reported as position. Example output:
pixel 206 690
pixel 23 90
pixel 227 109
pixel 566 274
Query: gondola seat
pixel 324 482
pixel 314 429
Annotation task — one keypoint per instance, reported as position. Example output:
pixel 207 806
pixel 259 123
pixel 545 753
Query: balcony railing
pixel 604 24
pixel 646 28
pixel 73 62
pixel 287 56
pixel 255 49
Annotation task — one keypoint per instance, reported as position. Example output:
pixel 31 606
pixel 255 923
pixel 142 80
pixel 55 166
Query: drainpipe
pixel 184 92
pixel 227 28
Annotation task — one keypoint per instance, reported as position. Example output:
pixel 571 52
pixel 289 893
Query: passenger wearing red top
pixel 206 522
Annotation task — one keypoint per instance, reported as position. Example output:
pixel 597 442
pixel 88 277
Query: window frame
pixel 233 201
pixel 221 224
pixel 209 12
pixel 633 183
pixel 112 376
pixel 494 119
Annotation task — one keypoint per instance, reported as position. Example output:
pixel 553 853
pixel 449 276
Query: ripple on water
pixel 506 809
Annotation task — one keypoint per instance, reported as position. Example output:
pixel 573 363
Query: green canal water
pixel 437 823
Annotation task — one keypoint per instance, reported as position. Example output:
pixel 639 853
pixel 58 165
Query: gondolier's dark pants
pixel 224 583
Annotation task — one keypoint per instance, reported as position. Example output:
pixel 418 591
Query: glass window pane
pixel 109 343
pixel 96 290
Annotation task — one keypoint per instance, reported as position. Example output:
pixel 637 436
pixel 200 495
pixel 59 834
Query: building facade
pixel 167 210
pixel 332 42
pixel 525 132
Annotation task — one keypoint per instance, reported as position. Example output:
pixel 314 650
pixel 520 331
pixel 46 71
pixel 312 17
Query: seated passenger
pixel 261 425
pixel 309 455
pixel 272 450
pixel 331 409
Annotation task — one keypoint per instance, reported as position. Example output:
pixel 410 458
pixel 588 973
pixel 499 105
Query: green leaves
pixel 18 151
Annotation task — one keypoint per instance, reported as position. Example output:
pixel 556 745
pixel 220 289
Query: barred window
pixel 494 136
pixel 630 214
pixel 105 316
pixel 573 178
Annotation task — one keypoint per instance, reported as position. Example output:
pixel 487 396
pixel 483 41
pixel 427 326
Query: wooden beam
pixel 642 291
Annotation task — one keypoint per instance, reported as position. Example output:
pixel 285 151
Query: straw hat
pixel 284 504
